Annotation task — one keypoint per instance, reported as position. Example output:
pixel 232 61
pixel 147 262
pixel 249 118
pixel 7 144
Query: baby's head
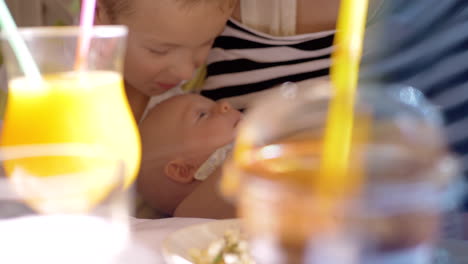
pixel 178 136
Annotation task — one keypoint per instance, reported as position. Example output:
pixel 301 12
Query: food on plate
pixel 230 249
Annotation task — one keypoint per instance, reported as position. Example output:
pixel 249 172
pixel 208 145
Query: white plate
pixel 176 246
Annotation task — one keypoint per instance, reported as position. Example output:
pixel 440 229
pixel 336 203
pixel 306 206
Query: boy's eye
pixel 159 51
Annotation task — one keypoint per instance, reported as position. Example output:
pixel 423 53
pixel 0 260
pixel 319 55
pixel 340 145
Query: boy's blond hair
pixel 115 8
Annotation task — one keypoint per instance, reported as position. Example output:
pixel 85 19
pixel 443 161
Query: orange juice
pixel 71 109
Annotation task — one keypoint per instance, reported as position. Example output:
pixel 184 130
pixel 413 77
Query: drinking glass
pixel 76 212
pixel 412 180
pixel 71 105
pixel 69 150
pixel 387 207
pixel 275 161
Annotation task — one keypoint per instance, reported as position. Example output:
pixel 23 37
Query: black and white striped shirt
pixel 245 62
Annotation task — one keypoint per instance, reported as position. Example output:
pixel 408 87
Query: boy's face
pixel 167 41
pixel 193 125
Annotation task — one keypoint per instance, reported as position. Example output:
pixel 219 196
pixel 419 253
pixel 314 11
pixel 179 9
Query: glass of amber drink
pixel 385 208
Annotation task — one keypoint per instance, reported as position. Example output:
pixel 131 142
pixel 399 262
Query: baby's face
pixel 190 124
pixel 209 123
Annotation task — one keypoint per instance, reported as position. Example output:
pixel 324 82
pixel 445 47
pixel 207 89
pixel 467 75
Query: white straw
pixel 19 47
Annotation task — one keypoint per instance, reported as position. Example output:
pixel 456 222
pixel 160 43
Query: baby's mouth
pixel 237 121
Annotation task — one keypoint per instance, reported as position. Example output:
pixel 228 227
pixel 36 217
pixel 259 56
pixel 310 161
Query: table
pixel 148 235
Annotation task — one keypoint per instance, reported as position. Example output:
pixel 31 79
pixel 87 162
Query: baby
pixel 184 138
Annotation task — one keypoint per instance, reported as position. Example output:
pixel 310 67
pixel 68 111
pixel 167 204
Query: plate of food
pixel 220 242
pixel 214 242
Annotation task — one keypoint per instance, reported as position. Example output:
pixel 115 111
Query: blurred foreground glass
pixel 75 213
pixel 69 150
pixel 387 210
pixel 70 106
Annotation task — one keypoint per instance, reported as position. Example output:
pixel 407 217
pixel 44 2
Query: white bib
pixel 213 162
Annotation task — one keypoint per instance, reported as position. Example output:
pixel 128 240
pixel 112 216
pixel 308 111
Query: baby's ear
pixel 180 171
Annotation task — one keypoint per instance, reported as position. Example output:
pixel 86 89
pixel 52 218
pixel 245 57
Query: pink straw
pixel 88 8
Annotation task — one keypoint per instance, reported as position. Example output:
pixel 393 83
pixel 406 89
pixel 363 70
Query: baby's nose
pixel 224 106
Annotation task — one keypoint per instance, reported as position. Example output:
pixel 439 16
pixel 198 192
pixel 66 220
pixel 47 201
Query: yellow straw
pixel 344 78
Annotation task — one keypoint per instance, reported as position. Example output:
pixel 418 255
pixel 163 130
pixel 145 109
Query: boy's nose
pixel 184 66
pixel 185 71
pixel 224 106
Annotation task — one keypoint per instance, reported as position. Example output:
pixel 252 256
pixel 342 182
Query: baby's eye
pixel 202 115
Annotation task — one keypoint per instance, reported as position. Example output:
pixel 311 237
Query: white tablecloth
pixel 148 236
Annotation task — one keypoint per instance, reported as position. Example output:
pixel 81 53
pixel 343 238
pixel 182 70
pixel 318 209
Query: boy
pixel 167 41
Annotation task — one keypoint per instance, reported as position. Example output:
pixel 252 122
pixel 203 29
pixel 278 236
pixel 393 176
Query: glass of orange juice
pixel 69 106
pixel 69 143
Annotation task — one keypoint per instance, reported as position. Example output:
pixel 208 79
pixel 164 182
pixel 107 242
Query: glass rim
pixel 101 31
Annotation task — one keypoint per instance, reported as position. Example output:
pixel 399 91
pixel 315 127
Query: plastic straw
pixel 25 59
pixel 88 8
pixel 344 78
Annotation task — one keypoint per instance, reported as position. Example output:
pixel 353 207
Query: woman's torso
pixel 245 63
